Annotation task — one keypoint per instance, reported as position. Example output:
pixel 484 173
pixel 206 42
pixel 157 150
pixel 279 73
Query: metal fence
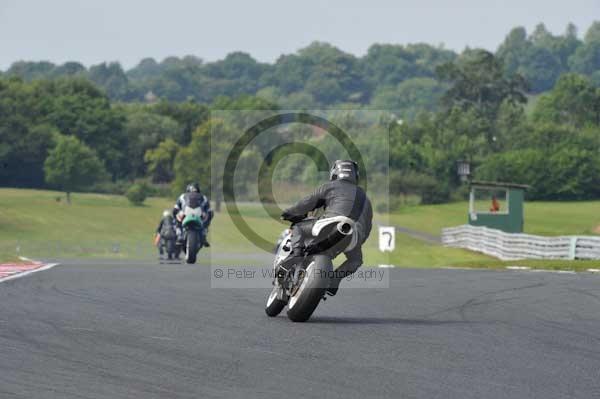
pixel 510 246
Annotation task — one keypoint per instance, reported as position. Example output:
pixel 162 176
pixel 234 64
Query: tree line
pixel 397 77
pixel 552 145
pixel 73 128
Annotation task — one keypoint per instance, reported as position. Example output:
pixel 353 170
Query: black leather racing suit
pixel 166 230
pixel 338 198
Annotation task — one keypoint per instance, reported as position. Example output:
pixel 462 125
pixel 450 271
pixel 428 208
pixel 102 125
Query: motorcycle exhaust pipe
pixel 344 228
pixel 341 231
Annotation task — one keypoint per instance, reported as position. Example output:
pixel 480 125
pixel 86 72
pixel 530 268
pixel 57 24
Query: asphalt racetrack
pixel 140 330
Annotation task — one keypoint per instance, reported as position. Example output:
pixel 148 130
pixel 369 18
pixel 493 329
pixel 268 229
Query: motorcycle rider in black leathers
pixel 193 197
pixel 166 231
pixel 341 196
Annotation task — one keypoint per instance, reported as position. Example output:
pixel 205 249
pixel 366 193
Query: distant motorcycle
pixel 192 234
pixel 301 285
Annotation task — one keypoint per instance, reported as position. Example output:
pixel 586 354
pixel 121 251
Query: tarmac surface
pixel 147 330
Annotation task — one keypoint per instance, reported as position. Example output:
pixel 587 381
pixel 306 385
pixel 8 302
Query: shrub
pixel 137 194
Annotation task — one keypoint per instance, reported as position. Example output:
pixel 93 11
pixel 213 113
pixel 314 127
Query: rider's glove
pixel 292 218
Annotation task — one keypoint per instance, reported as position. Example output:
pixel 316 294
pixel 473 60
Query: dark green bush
pixel 431 190
pixel 137 194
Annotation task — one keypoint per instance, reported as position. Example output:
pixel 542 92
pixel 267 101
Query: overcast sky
pixel 92 31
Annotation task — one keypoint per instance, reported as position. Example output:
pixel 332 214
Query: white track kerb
pixel 28 272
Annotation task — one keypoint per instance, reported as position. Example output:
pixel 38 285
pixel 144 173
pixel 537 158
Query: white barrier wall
pixel 510 246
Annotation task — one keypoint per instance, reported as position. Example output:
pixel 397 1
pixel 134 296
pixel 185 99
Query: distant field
pixel 543 218
pixel 96 225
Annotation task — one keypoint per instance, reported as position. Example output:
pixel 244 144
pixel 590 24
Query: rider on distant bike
pixel 165 231
pixel 341 196
pixel 193 197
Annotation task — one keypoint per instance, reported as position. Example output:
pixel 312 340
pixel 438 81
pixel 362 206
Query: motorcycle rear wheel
pixel 312 289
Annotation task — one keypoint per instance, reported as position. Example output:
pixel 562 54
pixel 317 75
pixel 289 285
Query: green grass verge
pixel 542 218
pixel 539 264
pixel 411 252
pixel 96 225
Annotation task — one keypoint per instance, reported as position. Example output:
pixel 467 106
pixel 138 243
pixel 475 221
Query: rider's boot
pixel 334 286
pixel 205 238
